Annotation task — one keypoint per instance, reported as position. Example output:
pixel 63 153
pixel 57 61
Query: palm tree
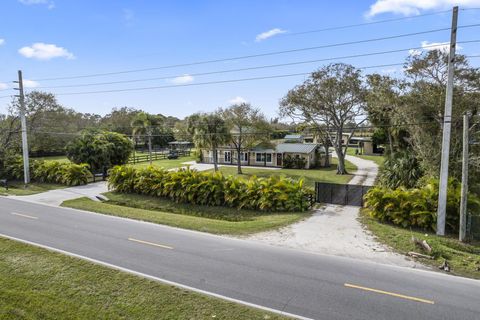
pixel 210 133
pixel 142 126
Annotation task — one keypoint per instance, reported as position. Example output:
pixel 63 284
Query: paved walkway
pixel 335 229
pixel 56 197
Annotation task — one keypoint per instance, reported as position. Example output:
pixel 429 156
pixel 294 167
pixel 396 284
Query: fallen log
pixel 419 255
pixel 422 244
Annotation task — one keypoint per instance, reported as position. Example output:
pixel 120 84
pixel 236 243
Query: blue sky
pixel 58 38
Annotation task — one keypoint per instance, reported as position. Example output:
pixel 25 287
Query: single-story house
pixel 280 156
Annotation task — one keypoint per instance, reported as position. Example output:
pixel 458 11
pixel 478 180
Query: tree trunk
pixel 327 159
pixel 390 142
pixel 215 165
pixel 340 155
pixel 239 165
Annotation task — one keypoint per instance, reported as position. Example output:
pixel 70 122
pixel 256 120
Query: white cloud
pixel 2 41
pixel 237 100
pixel 414 7
pixel 414 52
pixel 186 78
pixel 268 34
pixel 45 51
pixel 429 46
pixel 50 4
pixel 3 86
pixel 30 83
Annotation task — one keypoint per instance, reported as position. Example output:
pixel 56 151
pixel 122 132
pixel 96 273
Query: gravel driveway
pixel 335 229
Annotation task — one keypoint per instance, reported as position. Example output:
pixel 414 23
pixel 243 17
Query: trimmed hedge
pixel 213 189
pixel 49 171
pixel 416 207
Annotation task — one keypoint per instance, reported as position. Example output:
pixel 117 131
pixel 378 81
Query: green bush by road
pixel 39 284
pixel 213 189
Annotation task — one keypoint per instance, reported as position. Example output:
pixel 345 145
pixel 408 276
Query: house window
pixel 244 156
pixel 260 157
pixel 228 156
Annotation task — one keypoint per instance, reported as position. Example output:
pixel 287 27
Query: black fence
pixel 342 194
pixel 473 226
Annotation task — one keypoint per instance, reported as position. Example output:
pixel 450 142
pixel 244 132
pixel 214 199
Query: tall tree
pixel 331 100
pixel 385 101
pixel 119 120
pixel 211 132
pixel 142 126
pixel 248 126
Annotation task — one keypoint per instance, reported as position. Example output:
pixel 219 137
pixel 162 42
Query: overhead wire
pixel 248 68
pixel 255 55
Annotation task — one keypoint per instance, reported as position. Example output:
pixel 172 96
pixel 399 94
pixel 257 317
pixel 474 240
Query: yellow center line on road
pixel 24 215
pixel 397 295
pixel 151 243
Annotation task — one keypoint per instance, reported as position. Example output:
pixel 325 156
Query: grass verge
pixel 309 175
pixel 217 220
pixel 463 258
pixel 38 284
pixel 165 163
pixel 16 188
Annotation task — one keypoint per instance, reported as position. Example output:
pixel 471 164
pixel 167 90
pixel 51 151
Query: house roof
pixel 293 136
pixel 361 138
pixel 296 147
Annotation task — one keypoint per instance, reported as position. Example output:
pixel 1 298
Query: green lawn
pixel 39 284
pixel 464 259
pixel 310 175
pixel 17 188
pixel 377 159
pixel 217 220
pixel 53 158
pixel 166 163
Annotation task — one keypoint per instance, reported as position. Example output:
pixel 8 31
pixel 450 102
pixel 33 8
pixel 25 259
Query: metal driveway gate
pixel 342 194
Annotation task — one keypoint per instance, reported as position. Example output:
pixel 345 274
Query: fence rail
pixel 161 155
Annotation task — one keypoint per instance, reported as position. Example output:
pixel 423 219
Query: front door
pixel 279 159
pixel 228 157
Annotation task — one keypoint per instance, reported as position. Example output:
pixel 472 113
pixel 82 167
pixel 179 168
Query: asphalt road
pixel 304 284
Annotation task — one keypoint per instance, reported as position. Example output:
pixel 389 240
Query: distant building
pixel 280 156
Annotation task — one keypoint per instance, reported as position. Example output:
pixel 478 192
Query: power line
pixel 212 82
pixel 312 129
pixel 348 26
pixel 256 55
pixel 247 68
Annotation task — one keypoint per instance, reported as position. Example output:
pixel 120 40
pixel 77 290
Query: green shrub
pixel 400 169
pixel 416 207
pixel 213 189
pixel 49 171
pixel 290 162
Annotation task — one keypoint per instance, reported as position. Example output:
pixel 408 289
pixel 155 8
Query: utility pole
pixel 26 162
pixel 464 195
pixel 447 127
